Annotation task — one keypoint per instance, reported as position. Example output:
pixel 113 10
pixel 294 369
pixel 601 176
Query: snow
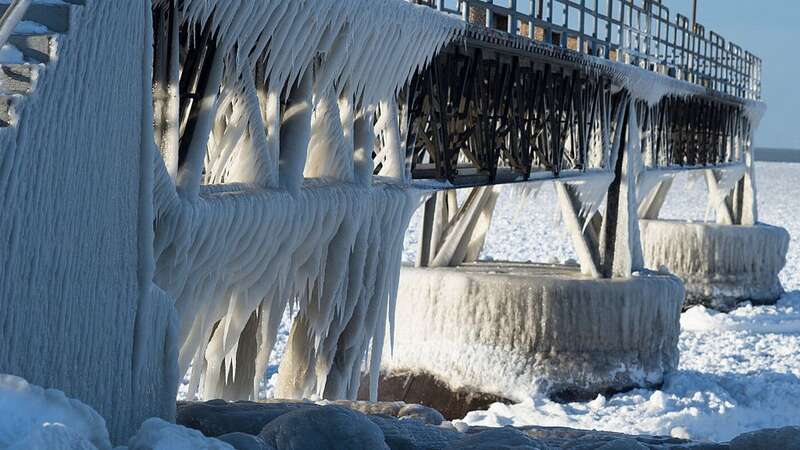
pixel 157 434
pixel 35 419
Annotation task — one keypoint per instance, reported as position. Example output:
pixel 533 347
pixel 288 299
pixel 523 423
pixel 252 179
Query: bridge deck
pixel 524 95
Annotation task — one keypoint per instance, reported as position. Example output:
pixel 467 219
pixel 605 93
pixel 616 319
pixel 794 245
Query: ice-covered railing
pixel 638 32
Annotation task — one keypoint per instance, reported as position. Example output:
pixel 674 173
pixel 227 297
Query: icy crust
pixel 720 265
pixel 377 44
pixel 642 84
pixel 237 257
pixel 515 330
pixel 70 179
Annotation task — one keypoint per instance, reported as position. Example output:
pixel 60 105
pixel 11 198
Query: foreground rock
pixel 322 427
pixel 782 438
pixel 721 265
pixel 326 427
pixel 506 330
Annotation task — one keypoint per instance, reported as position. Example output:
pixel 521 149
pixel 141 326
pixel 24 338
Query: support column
pixel 585 247
pixel 296 133
pixel 621 248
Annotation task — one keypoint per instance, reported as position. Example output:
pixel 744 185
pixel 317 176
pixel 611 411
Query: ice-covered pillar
pixel 193 152
pixel 389 124
pixel 587 250
pixel 364 145
pixel 748 214
pixel 451 234
pixel 296 133
pixel 621 247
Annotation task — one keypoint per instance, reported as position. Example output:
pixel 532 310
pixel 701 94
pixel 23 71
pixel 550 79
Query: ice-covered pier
pixel 237 158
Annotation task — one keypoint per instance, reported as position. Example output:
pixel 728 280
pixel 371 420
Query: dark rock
pixel 421 413
pixel 787 438
pixel 410 434
pixel 377 408
pixel 499 439
pixel 242 441
pixel 323 428
pixel 623 444
pixel 217 417
pixel 427 390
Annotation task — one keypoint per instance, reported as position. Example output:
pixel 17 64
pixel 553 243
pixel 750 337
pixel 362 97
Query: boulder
pixel 409 434
pixel 243 441
pixel 323 428
pixel 787 438
pixel 499 439
pixel 217 417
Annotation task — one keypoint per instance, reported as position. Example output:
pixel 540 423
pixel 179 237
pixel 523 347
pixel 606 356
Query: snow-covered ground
pixel 738 372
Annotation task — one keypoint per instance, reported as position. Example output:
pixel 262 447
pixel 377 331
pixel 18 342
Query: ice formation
pixel 720 264
pixel 255 222
pixel 517 330
pixel 141 263
pixel 73 190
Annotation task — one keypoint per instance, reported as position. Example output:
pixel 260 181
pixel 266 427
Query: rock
pixel 623 444
pixel 421 413
pixel 779 438
pixel 409 434
pixel 379 408
pixel 423 388
pixel 321 428
pixel 499 439
pixel 560 437
pixel 243 441
pixel 217 417
pixel 397 409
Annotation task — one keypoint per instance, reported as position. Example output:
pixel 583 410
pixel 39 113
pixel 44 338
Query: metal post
pixel 694 16
pixel 512 17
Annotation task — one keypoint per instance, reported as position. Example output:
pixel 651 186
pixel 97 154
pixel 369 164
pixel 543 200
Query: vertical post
pixel 532 23
pixel 465 10
pixel 694 16
pixel 512 17
pixel 440 5
pixel 424 250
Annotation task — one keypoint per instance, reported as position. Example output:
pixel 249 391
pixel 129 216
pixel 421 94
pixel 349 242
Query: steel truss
pixel 478 116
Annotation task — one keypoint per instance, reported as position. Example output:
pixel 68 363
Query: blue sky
pixel 771 30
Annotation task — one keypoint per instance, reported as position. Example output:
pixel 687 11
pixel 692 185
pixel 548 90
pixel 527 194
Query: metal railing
pixel 637 32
